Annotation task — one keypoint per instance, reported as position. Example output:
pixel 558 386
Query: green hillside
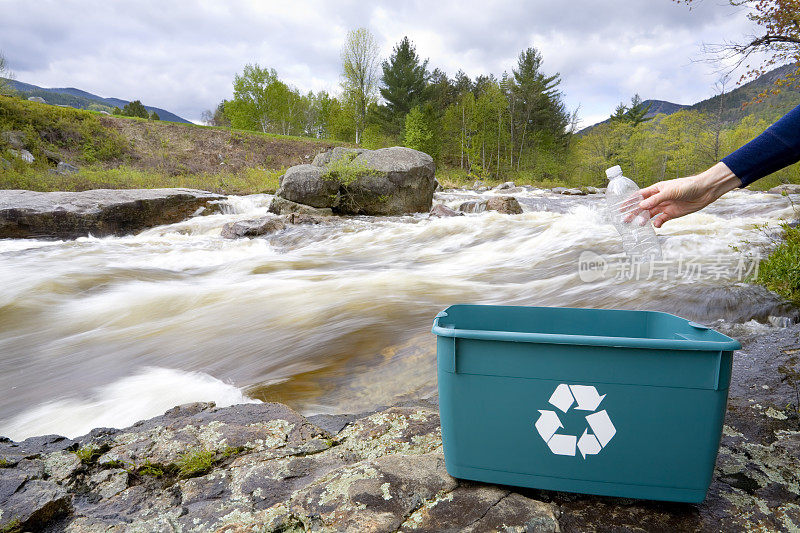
pixel 737 104
pixel 116 152
pixel 69 96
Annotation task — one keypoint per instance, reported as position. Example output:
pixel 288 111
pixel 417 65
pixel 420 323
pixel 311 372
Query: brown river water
pixel 329 318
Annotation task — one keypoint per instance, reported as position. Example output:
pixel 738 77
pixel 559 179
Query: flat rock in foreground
pixel 99 212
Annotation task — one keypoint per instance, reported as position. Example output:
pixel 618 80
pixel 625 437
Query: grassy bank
pixel 246 181
pixel 116 152
pixel 780 271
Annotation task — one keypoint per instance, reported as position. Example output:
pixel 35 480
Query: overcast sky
pixel 182 56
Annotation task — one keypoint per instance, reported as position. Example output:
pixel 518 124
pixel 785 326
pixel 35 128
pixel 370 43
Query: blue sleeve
pixel 777 147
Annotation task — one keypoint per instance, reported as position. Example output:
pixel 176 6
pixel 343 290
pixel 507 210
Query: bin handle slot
pixel 698 326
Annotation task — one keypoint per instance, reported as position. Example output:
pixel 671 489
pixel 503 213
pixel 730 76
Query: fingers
pixel 653 200
pixel 647 192
pixel 660 218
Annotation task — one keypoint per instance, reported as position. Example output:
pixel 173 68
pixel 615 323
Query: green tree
pixel 539 113
pixel 440 91
pixel 418 132
pixel 637 111
pixel 135 109
pixel 359 76
pixel 255 99
pixel 402 85
pixel 116 111
pixel 620 113
pixel 154 116
pixel 216 117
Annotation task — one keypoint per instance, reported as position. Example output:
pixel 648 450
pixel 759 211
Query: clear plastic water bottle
pixel 622 199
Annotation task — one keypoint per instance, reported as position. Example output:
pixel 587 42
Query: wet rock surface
pixel 264 467
pixel 507 205
pixel 282 206
pixel 504 204
pixel 441 210
pixel 99 212
pixel 252 228
pixel 384 182
pixel 788 188
pixel 268 225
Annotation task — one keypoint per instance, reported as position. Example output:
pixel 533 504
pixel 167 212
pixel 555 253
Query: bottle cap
pixel 614 171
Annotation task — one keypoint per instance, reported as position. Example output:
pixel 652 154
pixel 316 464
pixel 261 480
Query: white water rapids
pixel 327 318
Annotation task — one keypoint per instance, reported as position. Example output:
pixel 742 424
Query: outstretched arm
pixel 675 198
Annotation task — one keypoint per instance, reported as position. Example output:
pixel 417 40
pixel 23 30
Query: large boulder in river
pixel 389 181
pixel 99 212
pixel 305 184
pixel 397 180
pixel 332 156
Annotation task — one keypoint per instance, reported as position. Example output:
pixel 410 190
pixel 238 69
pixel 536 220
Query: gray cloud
pixel 182 56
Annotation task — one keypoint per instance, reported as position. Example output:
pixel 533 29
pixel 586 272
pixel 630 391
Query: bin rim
pixel 583 340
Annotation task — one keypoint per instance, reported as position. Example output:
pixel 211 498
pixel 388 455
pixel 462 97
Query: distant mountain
pixel 656 107
pixel 662 106
pixel 732 102
pixel 73 97
pixel 771 108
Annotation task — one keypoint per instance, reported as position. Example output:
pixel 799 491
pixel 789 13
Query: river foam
pixel 120 404
pixel 330 317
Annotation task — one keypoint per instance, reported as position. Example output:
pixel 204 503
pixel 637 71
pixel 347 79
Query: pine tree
pixel 637 111
pixel 620 113
pixel 538 107
pixel 154 116
pixel 402 84
pixel 135 109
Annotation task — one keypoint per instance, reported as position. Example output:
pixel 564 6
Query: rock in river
pixel 282 206
pixel 441 210
pixel 389 181
pixel 252 228
pixel 99 212
pixel 504 204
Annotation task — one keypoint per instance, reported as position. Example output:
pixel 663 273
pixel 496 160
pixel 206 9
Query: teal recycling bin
pixel 595 401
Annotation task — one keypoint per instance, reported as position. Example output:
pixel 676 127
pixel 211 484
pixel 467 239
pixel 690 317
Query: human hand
pixel 670 199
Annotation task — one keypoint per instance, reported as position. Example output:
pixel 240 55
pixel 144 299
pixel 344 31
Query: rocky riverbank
pixel 99 212
pixel 264 467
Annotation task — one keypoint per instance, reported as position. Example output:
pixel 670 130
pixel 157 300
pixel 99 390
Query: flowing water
pixel 327 318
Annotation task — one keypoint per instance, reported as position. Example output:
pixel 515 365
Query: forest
pixel 512 126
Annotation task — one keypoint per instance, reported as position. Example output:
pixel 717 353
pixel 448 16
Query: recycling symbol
pixel 586 398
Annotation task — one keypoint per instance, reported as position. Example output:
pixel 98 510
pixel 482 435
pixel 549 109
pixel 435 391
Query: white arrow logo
pixel 586 398
pixel 548 424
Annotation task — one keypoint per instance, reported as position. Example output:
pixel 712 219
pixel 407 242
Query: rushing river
pixel 327 318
